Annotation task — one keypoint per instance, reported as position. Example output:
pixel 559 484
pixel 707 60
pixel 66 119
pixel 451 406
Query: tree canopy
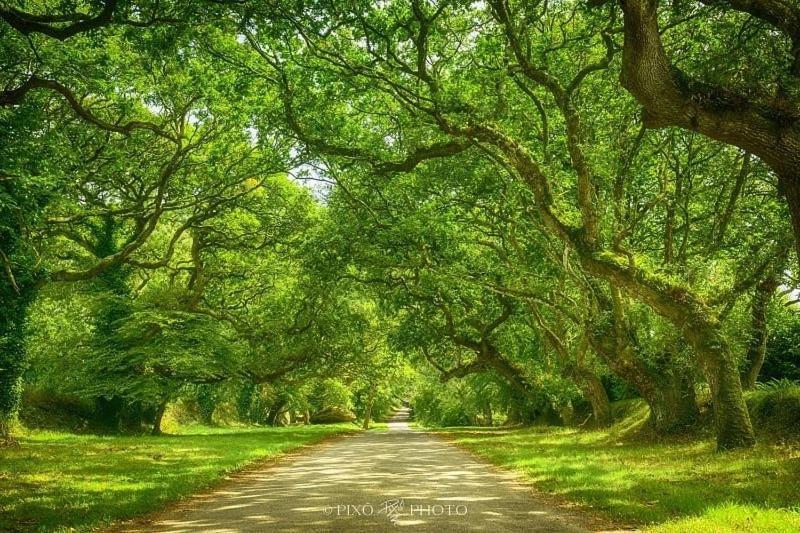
pixel 532 206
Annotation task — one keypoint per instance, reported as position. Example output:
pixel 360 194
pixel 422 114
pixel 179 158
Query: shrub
pixel 775 409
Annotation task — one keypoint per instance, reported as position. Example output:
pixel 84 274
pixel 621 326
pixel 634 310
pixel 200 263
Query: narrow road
pixel 400 479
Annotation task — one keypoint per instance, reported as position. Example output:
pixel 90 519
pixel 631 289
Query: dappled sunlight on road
pixel 380 480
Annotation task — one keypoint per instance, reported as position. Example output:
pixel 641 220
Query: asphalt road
pixel 400 479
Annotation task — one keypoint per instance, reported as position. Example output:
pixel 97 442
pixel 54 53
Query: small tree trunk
pixel 307 417
pixel 162 408
pixel 596 395
pixel 790 185
pixel 368 411
pixel 566 412
pixel 757 346
pixel 677 401
pixel 674 402
pixel 488 415
pixel 276 411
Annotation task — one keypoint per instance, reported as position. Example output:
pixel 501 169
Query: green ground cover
pixel 664 487
pixel 58 481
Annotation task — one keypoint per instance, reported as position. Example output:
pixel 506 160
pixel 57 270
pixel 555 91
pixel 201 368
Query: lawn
pixel 58 481
pixel 683 487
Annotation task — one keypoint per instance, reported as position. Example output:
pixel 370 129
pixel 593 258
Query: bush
pixel 333 415
pixel 775 409
pixel 42 409
pixel 783 344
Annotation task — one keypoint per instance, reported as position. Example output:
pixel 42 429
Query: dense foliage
pixel 501 211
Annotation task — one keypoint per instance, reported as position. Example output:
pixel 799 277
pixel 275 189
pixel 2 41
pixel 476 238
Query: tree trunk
pixel 566 412
pixel 676 403
pixel 488 415
pixel 790 185
pixel 595 393
pixel 12 359
pixel 732 419
pixel 703 334
pixel 276 411
pixel 757 346
pixel 368 410
pixel 753 126
pixel 162 408
pixel 672 408
pixel 307 418
pixel 506 369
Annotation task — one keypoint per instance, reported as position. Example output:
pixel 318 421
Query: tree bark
pixel 757 346
pixel 589 384
pixel 26 23
pixel 507 370
pixel 672 402
pixel 595 393
pixel 733 426
pixel 758 128
pixel 368 410
pixel 676 402
pixel 276 411
pixel 162 408
pixel 12 357
pixel 789 184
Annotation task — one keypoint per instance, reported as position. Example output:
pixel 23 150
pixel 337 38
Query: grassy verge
pixel 676 487
pixel 58 481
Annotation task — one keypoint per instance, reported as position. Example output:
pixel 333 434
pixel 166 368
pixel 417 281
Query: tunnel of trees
pixel 501 210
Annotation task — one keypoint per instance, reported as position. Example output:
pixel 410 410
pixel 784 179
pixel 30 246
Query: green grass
pixel 676 487
pixel 58 481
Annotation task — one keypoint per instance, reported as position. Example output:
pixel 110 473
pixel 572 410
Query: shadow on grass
pixel 71 481
pixel 643 483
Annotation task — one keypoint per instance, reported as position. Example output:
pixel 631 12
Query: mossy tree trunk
pixel 757 345
pixel 678 399
pixel 12 357
pixel 702 332
pixel 732 420
pixel 595 393
pixel 672 402
pixel 115 305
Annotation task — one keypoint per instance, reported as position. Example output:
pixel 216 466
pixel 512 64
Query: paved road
pixel 396 480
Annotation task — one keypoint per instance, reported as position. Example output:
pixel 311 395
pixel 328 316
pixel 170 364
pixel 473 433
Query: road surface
pixel 398 479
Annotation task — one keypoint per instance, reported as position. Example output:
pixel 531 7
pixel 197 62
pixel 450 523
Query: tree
pixel 432 84
pixel 751 103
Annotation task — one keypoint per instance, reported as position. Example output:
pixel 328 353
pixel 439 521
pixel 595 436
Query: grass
pixel 61 481
pixel 664 487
